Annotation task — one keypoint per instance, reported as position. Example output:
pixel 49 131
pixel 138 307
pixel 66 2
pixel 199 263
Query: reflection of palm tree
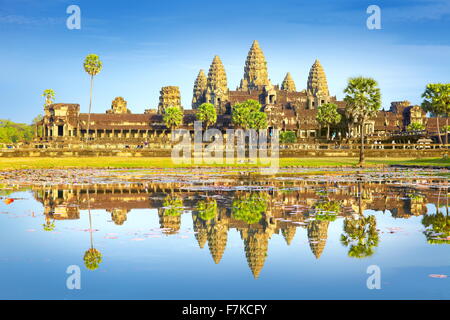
pixel 361 235
pixel 250 207
pixel 92 257
pixel 437 226
pixel 49 224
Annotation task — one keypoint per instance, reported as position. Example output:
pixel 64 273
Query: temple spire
pixel 217 88
pixel 199 90
pixel 289 233
pixel 217 78
pixel 317 236
pixel 217 241
pixel 255 70
pixel 288 83
pixel 317 81
pixel 256 245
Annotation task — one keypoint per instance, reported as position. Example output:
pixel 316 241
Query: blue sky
pixel 145 45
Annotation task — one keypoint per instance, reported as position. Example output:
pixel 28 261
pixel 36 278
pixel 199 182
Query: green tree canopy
pixel 49 95
pixel 437 101
pixel 173 117
pixel 327 115
pixel 207 209
pixel 92 259
pixel 248 115
pixel 362 102
pixel 415 126
pixel 327 210
pixel 206 113
pixel 92 64
pixel 437 228
pixel 173 206
pixel 361 236
pixel 11 132
pixel 249 207
pixel 288 137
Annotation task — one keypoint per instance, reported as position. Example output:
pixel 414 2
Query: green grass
pixel 160 162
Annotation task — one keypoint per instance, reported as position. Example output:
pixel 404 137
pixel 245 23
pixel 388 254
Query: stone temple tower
pixel 216 85
pixel 199 90
pixel 255 70
pixel 317 87
pixel 288 84
pixel 317 236
pixel 169 97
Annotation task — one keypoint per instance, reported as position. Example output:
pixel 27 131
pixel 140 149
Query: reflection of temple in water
pixel 291 206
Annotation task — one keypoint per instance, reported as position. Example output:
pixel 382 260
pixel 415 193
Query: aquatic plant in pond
pixel 249 207
pixel 361 236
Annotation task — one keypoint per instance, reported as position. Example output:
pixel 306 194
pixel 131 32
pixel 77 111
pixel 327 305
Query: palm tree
pixel 437 101
pixel 363 100
pixel 93 66
pixel 207 114
pixel 49 95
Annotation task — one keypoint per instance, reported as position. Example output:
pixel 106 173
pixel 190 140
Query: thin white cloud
pixel 22 20
pixel 432 10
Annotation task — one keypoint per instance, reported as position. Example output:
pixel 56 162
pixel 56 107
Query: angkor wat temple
pixel 286 107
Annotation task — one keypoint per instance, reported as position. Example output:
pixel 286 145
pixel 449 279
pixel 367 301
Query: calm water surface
pixel 189 234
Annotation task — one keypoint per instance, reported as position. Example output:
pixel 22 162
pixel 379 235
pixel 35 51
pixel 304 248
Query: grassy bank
pixel 160 162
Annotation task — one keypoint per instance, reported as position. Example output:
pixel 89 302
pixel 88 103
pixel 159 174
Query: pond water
pixel 224 234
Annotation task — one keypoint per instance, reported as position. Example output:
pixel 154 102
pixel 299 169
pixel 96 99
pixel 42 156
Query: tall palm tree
pixel 437 101
pixel 363 100
pixel 49 95
pixel 92 66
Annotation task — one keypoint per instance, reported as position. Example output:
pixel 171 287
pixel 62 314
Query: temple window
pixel 272 98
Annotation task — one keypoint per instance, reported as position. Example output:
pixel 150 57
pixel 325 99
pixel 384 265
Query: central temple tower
pixel 255 70
pixel 317 87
